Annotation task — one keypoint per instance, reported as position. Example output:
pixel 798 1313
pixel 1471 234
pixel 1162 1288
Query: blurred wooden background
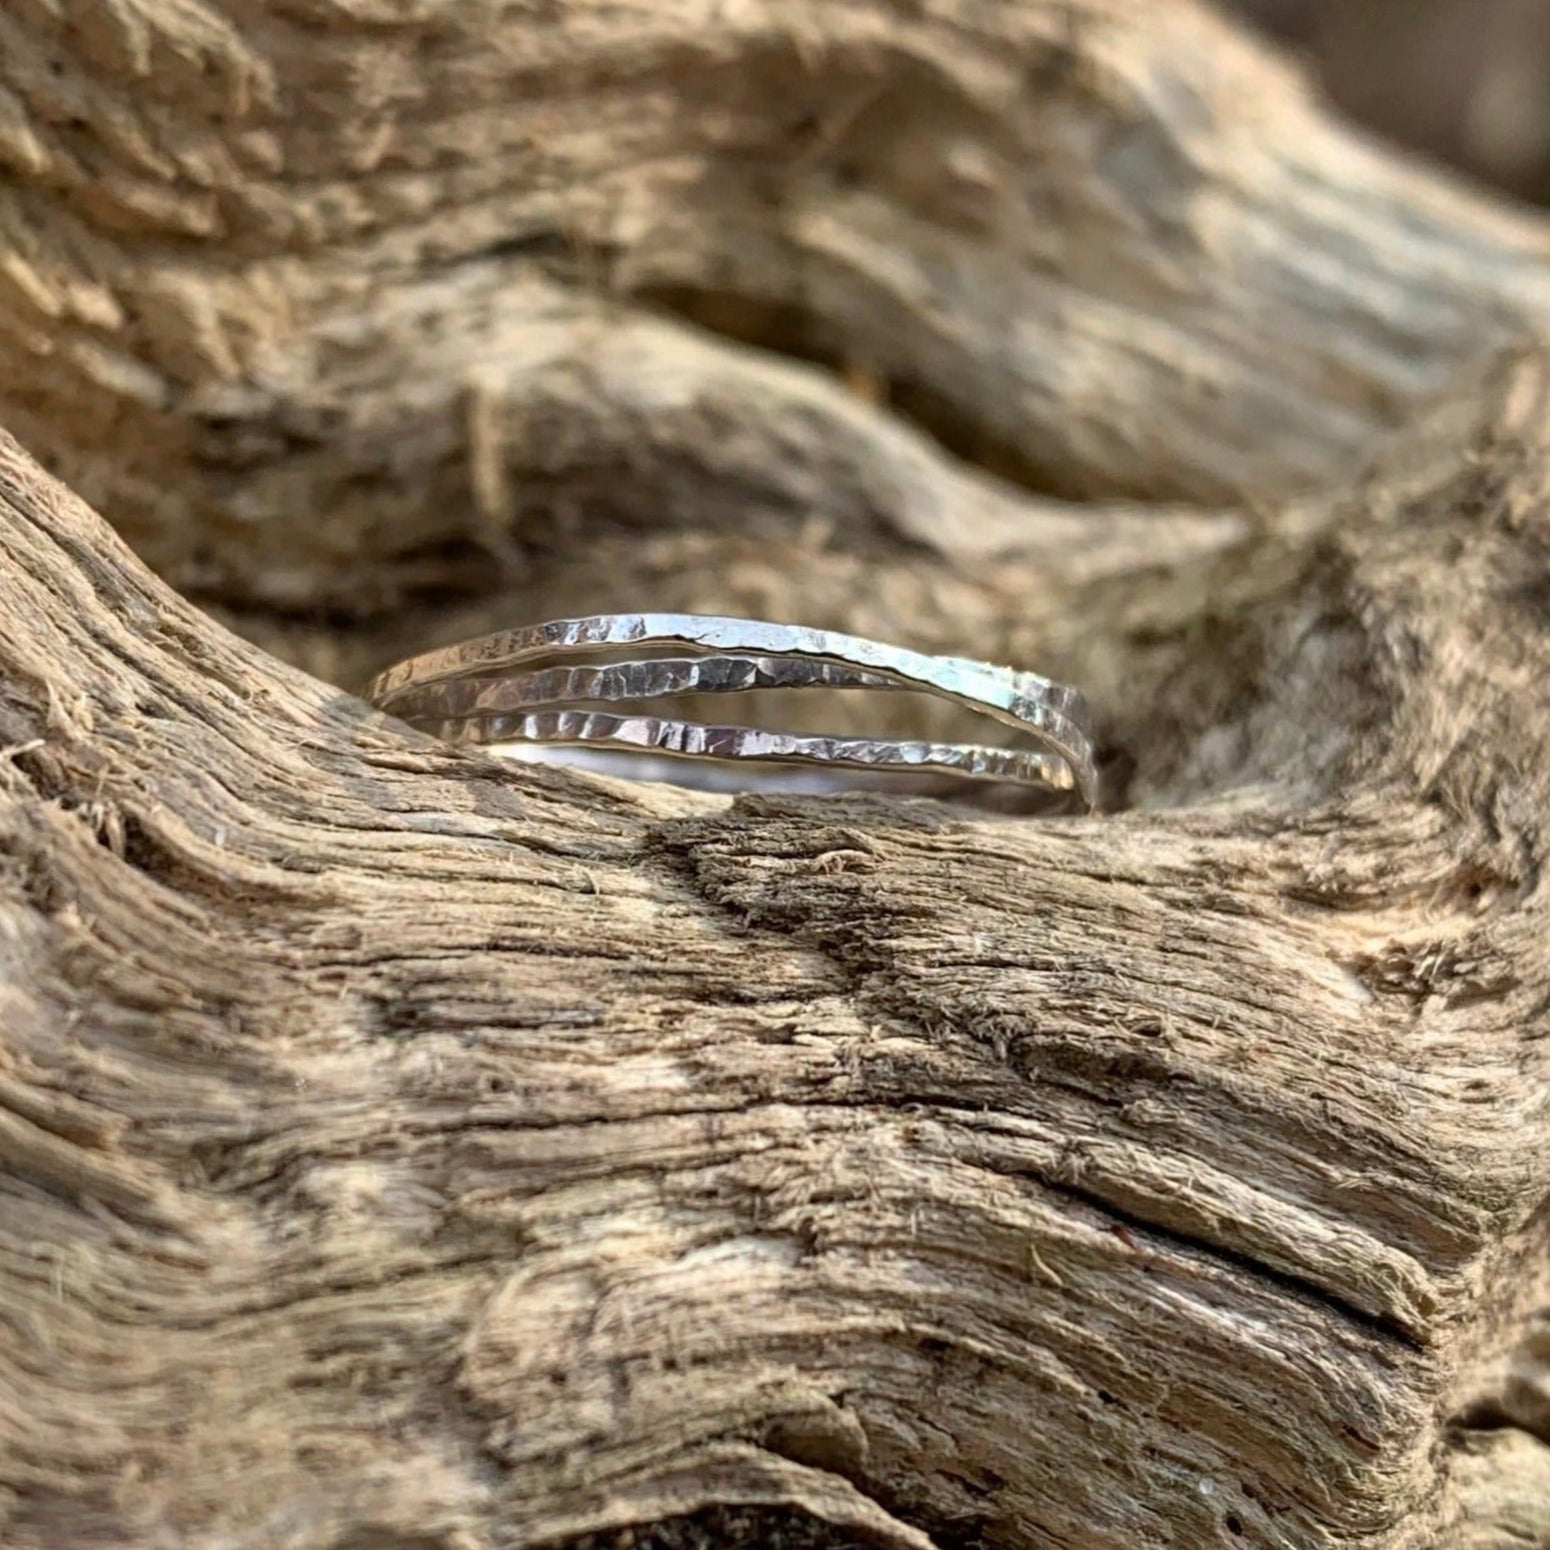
pixel 1464 80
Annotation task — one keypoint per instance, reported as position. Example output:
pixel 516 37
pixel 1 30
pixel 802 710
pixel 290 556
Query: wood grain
pixel 409 1151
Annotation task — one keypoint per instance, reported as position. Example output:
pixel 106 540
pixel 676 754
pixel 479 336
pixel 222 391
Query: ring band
pixel 525 685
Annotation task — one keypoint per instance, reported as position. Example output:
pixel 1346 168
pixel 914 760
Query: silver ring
pixel 530 686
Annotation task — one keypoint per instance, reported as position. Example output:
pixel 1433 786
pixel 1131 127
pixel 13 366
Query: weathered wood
pixel 266 262
pixel 403 1149
pixel 402 1144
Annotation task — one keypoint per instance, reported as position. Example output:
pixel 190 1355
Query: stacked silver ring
pixel 532 685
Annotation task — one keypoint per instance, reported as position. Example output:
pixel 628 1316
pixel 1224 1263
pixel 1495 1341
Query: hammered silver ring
pixel 535 685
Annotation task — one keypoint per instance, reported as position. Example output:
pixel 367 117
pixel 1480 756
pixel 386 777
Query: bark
pixel 405 1149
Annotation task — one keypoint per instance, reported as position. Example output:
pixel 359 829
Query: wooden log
pixel 403 1149
pixel 355 258
pixel 406 1148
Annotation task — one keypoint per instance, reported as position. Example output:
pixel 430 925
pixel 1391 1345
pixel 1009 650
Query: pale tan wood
pixel 411 1145
pixel 263 263
pixel 405 1150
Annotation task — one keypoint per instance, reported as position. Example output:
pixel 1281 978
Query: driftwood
pixel 409 1151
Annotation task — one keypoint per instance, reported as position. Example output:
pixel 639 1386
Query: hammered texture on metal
pixel 505 688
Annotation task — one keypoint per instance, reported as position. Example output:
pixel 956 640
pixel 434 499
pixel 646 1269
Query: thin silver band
pixel 498 689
